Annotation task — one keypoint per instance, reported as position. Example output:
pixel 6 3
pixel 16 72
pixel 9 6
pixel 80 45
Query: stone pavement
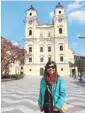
pixel 20 96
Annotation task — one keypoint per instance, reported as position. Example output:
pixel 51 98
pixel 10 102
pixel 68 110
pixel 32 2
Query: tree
pixel 10 53
pixel 80 63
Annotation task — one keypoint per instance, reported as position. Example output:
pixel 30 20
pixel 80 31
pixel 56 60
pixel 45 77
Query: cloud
pixel 16 44
pixel 77 16
pixel 51 14
pixel 74 44
pixel 75 5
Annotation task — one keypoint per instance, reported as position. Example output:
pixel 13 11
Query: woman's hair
pixel 55 75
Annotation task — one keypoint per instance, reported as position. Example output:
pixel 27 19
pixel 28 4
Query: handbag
pixel 65 108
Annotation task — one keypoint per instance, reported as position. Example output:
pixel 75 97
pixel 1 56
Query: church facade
pixel 47 42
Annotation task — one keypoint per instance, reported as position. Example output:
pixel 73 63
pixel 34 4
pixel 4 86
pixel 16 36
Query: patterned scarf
pixel 48 80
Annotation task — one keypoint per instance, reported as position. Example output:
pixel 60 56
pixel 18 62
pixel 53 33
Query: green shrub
pixel 19 76
pixel 5 76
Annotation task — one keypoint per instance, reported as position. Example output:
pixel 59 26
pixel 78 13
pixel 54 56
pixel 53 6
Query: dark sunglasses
pixel 52 67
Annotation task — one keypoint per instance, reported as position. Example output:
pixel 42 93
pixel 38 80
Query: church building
pixel 47 42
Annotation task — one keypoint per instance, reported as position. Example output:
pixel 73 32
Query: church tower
pixel 60 37
pixel 60 21
pixel 30 22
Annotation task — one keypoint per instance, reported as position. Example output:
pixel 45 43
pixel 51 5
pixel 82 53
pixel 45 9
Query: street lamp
pixel 81 36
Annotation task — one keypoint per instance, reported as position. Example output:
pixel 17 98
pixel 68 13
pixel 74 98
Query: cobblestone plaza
pixel 20 96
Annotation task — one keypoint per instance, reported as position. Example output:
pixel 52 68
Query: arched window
pixel 30 49
pixel 41 49
pixel 30 32
pixel 49 48
pixel 60 30
pixel 61 48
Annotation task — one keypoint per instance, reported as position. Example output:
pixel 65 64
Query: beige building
pixel 47 42
pixel 15 68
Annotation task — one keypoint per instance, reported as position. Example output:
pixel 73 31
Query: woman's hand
pixel 55 109
pixel 41 109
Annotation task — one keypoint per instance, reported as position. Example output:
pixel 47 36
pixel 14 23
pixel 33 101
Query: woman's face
pixel 51 69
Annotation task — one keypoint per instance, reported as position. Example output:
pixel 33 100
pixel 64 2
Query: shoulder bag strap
pixel 49 89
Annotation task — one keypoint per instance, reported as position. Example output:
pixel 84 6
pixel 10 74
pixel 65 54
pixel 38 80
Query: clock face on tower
pixel 60 20
pixel 30 22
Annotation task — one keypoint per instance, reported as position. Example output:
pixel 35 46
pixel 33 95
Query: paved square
pixel 20 96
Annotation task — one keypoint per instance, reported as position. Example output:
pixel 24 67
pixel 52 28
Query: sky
pixel 13 14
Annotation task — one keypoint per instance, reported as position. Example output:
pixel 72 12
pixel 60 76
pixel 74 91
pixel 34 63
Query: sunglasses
pixel 52 67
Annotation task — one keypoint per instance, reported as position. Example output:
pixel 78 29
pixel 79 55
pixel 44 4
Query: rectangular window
pixel 41 49
pixel 49 34
pixel 49 49
pixel 61 58
pixel 61 69
pixel 30 69
pixel 41 59
pixel 49 58
pixel 30 32
pixel 60 30
pixel 21 67
pixel 30 49
pixel 41 36
pixel 30 59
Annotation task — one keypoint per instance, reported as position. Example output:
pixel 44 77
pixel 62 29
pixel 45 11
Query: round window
pixel 59 12
pixel 30 14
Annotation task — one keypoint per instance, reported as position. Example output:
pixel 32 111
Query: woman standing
pixel 52 90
